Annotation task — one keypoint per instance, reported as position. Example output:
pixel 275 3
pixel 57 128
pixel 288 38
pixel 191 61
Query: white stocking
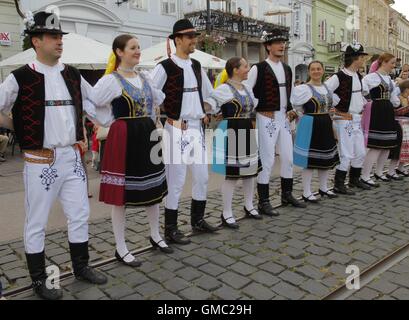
pixel 227 194
pixel 118 226
pixel 306 182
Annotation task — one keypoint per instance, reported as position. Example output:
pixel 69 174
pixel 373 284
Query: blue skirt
pixel 315 146
pixel 235 151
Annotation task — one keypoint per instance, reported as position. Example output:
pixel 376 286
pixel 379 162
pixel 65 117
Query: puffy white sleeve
pixel 158 76
pixel 370 81
pixel 158 95
pixel 395 95
pixel 105 91
pixel 255 100
pixel 8 94
pixel 101 116
pixel 333 84
pixel 300 95
pixel 207 88
pixel 252 78
pixel 219 97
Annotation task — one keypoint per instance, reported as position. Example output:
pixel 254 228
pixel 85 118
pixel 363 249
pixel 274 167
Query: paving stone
pixel 272 268
pixel 222 260
pixel 166 296
pixel 289 262
pixel 319 251
pixel 314 287
pixel 234 280
pixel 227 293
pixel 172 265
pixel 383 286
pixel 242 268
pixel 288 291
pixel 367 294
pixel 134 279
pixel 119 291
pixel 136 296
pixel 310 272
pixel 294 252
pixel 176 284
pixel 195 293
pixel 264 278
pixel 401 294
pixel 339 258
pixel 194 261
pixel 212 269
pixel 208 283
pixel 317 261
pixel 149 289
pixel 15 274
pixel 161 275
pixel 7 259
pixel 92 293
pixel 188 274
pixel 292 277
pixel 258 292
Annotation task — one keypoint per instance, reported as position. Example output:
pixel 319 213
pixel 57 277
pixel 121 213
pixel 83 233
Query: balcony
pixel 334 47
pixel 231 25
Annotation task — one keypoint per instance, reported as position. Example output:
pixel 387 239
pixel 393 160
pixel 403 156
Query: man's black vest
pixel 344 90
pixel 174 86
pixel 29 108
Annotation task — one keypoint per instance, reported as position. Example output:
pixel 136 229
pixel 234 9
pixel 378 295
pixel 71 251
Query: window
pixel 322 30
pixel 342 35
pixel 168 6
pixel 138 4
pixel 253 9
pixel 282 20
pixel 332 34
pixel 308 27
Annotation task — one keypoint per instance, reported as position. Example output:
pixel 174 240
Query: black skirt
pixel 315 146
pixel 382 128
pixel 133 173
pixel 235 150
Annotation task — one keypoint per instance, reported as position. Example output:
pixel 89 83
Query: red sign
pixel 5 39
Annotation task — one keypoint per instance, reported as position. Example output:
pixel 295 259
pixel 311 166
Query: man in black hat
pixel 186 86
pixel 347 88
pixel 47 101
pixel 271 81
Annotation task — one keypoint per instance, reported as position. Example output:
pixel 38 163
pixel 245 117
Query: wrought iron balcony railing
pixel 334 47
pixel 232 23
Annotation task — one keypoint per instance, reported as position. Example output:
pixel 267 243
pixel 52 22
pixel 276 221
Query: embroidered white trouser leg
pixel 64 180
pixel 183 149
pixel 351 143
pixel 272 133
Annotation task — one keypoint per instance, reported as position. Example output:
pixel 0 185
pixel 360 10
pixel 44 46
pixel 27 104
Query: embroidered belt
pixel 191 89
pixel 58 103
pixel 46 154
pixel 268 114
pixel 180 124
pixel 282 85
pixel 339 115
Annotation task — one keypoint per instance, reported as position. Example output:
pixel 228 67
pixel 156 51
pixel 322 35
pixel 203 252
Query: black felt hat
pixel 43 22
pixel 353 50
pixel 276 34
pixel 183 27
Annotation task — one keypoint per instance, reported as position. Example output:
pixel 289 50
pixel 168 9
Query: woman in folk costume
pixel 235 153
pixel 400 155
pixel 131 176
pixel 315 145
pixel 379 117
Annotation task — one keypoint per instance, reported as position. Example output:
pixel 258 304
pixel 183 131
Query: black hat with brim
pixel 354 50
pixel 44 22
pixel 183 28
pixel 275 35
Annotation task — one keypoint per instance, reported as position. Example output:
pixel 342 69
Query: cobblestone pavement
pixel 303 254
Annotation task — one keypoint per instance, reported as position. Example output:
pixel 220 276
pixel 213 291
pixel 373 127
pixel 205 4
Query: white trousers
pixel 272 132
pixel 183 149
pixel 44 183
pixel 351 143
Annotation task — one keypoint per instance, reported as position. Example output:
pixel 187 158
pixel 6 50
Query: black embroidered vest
pixel 174 86
pixel 29 107
pixel 344 90
pixel 267 88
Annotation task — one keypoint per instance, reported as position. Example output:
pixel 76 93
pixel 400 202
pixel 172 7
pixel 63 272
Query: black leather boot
pixel 287 194
pixel 339 183
pixel 172 234
pixel 82 271
pixel 198 222
pixel 36 266
pixel 355 181
pixel 264 205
